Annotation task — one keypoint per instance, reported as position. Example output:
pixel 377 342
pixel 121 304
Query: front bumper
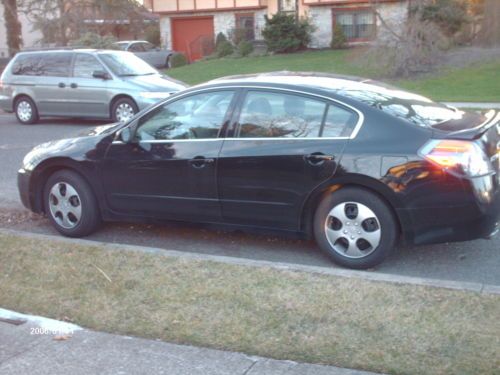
pixel 23 185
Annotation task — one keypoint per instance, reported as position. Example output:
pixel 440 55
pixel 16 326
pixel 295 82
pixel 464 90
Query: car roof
pixel 324 82
pixel 69 50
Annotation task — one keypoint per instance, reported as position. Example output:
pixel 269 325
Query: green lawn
pixel 476 84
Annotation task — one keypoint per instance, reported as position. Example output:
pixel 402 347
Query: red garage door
pixel 192 36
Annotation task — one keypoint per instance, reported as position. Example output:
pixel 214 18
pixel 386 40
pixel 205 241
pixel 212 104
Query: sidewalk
pixel 87 352
pixel 473 105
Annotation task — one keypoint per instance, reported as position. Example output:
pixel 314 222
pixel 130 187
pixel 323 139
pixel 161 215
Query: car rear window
pixel 43 64
pixel 404 105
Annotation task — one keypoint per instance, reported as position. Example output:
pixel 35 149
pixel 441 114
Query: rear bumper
pixel 475 216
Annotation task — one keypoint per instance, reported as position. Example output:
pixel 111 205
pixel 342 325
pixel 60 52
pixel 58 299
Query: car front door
pixel 88 96
pixel 169 170
pixel 283 145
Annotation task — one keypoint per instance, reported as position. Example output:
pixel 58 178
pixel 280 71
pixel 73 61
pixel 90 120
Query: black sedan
pixel 354 163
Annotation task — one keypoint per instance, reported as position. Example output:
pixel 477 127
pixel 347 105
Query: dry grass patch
pixel 300 316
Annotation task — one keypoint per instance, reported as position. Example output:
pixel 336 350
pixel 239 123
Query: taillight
pixel 463 158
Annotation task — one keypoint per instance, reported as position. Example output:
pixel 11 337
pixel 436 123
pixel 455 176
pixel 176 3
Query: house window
pixel 245 27
pixel 357 25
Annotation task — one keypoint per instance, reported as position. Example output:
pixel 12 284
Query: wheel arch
pixel 329 187
pixel 19 96
pixel 47 168
pixel 115 99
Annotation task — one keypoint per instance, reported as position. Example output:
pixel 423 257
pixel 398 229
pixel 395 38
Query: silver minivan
pixel 81 83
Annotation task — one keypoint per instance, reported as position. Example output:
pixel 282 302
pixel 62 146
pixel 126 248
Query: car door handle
pixel 73 86
pixel 318 158
pixel 61 85
pixel 201 161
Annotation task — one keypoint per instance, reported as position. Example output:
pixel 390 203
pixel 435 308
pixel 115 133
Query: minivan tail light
pixel 463 158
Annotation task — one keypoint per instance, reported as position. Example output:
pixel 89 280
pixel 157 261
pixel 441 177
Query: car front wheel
pixel 26 111
pixel 123 110
pixel 355 227
pixel 71 205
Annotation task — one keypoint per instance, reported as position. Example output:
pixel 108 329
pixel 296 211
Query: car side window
pixel 85 66
pixel 148 47
pixel 43 64
pixel 280 115
pixel 339 122
pixel 198 116
pixel 136 47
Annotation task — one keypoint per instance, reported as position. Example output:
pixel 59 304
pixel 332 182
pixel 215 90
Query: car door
pixel 284 144
pixel 52 72
pixel 169 170
pixel 88 96
pixel 137 49
pixel 153 56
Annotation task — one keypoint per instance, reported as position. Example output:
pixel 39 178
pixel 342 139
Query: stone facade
pixel 394 14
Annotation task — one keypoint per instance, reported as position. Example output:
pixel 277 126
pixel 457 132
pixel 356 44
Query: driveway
pixel 475 261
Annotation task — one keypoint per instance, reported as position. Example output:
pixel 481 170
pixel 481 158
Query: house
pixel 30 36
pixel 189 26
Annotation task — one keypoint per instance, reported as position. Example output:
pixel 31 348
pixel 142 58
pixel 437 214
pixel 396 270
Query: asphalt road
pixel 475 261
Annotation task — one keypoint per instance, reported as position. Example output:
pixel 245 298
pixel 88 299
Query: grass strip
pixel 375 326
pixel 478 83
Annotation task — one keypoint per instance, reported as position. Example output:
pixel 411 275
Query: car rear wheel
pixel 123 110
pixel 26 111
pixel 355 227
pixel 71 205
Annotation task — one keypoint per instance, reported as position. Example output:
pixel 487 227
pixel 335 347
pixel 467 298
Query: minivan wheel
pixel 26 111
pixel 355 227
pixel 71 205
pixel 123 110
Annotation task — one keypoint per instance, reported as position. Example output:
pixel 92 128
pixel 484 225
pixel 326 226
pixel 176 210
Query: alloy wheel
pixel 65 205
pixel 124 112
pixel 24 111
pixel 353 230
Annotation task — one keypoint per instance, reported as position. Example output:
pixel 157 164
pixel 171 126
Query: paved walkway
pixel 26 349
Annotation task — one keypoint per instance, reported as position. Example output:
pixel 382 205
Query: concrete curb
pixel 362 275
pixel 475 105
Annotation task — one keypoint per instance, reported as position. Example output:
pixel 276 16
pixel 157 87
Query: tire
pixel 71 204
pixel 120 107
pixel 355 227
pixel 26 110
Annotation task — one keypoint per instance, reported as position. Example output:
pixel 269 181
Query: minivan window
pixel 125 64
pixel 271 115
pixel 199 116
pixel 85 66
pixel 43 64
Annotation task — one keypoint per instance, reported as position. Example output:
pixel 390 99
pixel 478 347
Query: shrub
pixel 449 15
pixel 339 39
pixel 285 33
pixel 225 48
pixel 178 60
pixel 245 48
pixel 94 40
pixel 221 38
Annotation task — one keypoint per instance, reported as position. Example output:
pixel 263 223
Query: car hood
pixel 156 82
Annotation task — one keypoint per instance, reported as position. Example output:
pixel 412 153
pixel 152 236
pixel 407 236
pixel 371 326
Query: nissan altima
pixel 356 164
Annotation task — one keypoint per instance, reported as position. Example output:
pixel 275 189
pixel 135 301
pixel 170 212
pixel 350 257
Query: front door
pixel 88 96
pixel 284 145
pixel 170 170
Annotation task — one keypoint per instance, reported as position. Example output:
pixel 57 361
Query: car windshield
pixel 122 46
pixel 127 64
pixel 410 107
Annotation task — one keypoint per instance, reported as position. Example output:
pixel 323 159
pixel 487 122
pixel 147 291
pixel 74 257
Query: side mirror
pixel 101 74
pixel 126 135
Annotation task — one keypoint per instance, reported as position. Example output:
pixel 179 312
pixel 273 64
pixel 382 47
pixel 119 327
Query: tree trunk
pixel 12 26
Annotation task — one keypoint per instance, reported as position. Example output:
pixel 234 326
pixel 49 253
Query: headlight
pixel 154 95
